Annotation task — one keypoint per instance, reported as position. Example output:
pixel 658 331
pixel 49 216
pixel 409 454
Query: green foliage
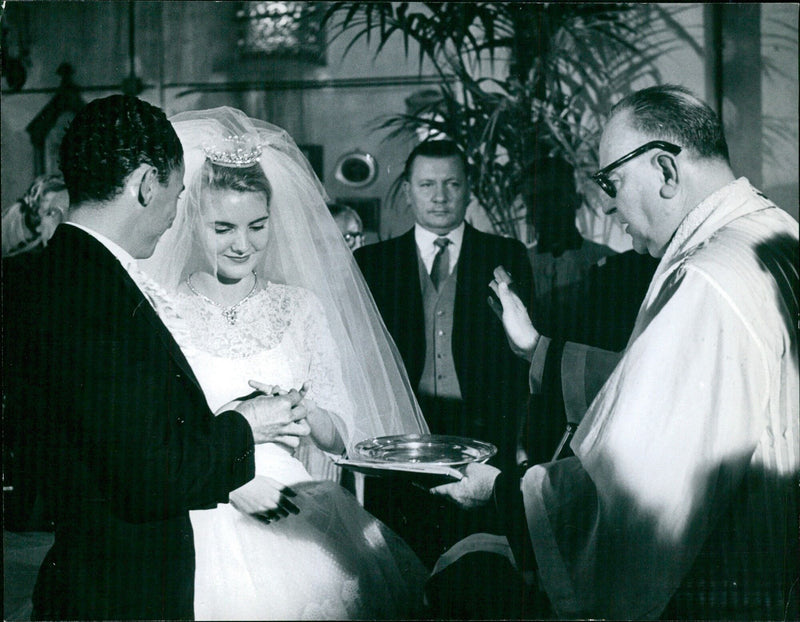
pixel 563 63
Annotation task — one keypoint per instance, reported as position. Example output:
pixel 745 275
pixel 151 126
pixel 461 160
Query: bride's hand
pixel 324 432
pixel 274 417
pixel 232 405
pixel 264 498
pixel 276 390
pixel 321 421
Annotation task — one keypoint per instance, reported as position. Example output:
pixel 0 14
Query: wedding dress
pixel 333 560
pixel 311 318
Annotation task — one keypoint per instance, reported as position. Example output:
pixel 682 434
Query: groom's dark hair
pixel 108 139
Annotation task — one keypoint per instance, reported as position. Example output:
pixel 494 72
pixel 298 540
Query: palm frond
pixel 565 62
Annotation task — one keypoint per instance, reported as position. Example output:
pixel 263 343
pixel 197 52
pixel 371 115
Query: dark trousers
pixel 479 585
pixel 430 525
pixel 484 586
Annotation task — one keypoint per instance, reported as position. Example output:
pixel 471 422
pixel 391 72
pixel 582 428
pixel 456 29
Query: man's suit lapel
pixel 467 303
pixel 408 290
pixel 465 265
pixel 144 308
pixel 410 285
pixel 103 261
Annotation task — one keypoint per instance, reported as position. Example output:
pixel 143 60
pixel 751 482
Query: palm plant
pixel 562 62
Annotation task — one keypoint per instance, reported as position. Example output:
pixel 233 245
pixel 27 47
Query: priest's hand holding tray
pixel 427 459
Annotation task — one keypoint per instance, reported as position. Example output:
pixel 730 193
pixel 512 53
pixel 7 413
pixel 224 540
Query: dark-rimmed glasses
pixel 601 177
pixel 352 236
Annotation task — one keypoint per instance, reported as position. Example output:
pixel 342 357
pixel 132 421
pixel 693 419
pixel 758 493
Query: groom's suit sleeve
pixel 172 453
pixel 106 391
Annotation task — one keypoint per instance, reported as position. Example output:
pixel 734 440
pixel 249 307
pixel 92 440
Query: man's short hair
pixel 108 139
pixel 340 210
pixel 442 148
pixel 675 114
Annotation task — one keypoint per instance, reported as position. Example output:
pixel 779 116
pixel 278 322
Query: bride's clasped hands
pixel 279 416
pixel 322 423
pixel 276 416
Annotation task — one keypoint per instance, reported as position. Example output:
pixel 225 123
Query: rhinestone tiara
pixel 233 151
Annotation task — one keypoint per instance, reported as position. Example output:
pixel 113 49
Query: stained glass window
pixel 289 29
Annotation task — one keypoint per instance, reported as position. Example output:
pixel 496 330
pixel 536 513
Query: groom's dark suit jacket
pixel 97 390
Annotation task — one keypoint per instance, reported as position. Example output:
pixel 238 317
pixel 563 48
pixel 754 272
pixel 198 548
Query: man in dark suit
pixel 96 388
pixel 430 287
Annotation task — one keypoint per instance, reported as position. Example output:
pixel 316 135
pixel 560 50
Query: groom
pixel 106 402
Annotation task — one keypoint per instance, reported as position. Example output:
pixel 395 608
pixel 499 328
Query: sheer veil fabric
pixel 305 249
pixel 308 316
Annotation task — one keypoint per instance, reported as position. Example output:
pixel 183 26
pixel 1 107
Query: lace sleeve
pixel 324 365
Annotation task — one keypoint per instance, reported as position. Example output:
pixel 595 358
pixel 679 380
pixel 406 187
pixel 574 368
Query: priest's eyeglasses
pixel 601 177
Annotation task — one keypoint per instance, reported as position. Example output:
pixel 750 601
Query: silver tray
pixel 422 449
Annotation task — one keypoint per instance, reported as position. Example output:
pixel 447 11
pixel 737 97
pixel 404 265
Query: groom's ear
pixel 148 181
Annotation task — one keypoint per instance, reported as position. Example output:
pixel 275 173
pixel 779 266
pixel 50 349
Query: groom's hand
pixel 274 418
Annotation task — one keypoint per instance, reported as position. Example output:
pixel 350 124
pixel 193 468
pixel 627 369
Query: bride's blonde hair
pixel 249 179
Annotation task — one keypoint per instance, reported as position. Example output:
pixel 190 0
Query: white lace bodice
pixel 280 338
pixel 262 321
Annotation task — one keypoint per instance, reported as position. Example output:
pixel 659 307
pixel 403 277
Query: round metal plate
pixel 424 449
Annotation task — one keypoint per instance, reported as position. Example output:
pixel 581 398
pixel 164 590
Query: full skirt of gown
pixel 332 560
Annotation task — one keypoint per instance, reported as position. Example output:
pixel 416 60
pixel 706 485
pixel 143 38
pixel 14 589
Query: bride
pixel 257 284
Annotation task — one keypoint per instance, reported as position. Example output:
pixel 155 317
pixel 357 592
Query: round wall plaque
pixel 356 169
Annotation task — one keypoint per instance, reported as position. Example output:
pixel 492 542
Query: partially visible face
pixel 162 209
pixel 52 209
pixel 351 230
pixel 638 204
pixel 438 193
pixel 236 231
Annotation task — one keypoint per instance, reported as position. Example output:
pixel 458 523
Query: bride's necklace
pixel 229 313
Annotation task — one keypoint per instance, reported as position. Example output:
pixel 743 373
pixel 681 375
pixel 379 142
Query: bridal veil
pixel 305 249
